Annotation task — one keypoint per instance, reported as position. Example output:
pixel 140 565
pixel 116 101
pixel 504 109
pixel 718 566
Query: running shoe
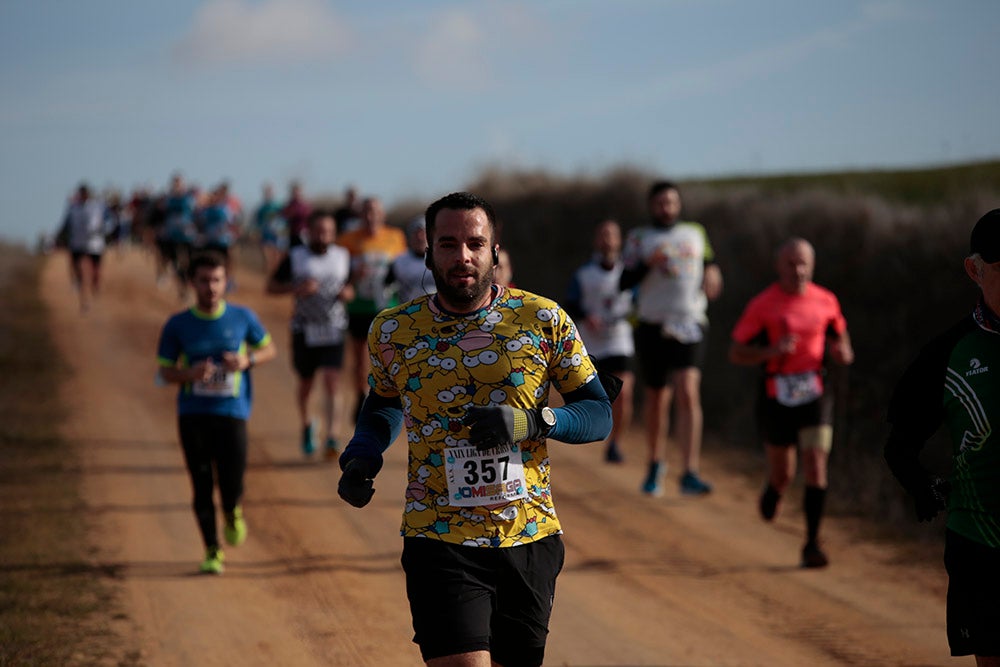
pixel 813 556
pixel 768 504
pixel 332 450
pixel 612 454
pixel 213 561
pixel 235 530
pixel 692 485
pixel 653 485
pixel 308 440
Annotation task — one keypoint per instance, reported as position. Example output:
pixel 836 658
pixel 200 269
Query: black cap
pixel 985 238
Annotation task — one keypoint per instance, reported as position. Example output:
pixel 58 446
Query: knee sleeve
pixel 817 437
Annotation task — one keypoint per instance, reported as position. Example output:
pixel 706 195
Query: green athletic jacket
pixel 955 380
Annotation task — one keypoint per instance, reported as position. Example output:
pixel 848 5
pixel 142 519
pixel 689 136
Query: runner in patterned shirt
pixel 208 350
pixel 468 371
pixel 789 329
pixel 601 308
pixel 317 274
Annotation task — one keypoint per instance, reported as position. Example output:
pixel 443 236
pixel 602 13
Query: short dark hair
pixel 318 214
pixel 461 201
pixel 659 186
pixel 210 259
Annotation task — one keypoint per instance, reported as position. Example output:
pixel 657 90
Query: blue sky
pixel 411 98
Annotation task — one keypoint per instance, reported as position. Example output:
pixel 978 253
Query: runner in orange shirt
pixel 373 246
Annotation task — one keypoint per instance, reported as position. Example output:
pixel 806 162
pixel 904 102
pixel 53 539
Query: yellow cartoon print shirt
pixel 439 365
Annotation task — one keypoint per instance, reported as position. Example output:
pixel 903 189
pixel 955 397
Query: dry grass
pixel 56 603
pixel 889 244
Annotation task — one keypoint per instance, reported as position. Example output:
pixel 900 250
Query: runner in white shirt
pixel 409 271
pixel 85 229
pixel 673 265
pixel 317 274
pixel 600 309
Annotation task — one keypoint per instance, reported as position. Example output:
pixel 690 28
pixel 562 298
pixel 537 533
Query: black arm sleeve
pixel 632 277
pixel 916 411
pixel 283 274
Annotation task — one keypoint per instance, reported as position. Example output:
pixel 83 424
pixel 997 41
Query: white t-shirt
pixel 671 295
pixel 412 276
pixel 86 226
pixel 321 316
pixel 600 298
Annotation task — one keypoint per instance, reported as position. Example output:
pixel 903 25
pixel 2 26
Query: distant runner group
pixel 443 346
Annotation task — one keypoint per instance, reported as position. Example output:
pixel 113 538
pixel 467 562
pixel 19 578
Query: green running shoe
pixel 213 561
pixel 235 530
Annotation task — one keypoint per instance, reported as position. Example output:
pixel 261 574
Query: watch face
pixel 548 416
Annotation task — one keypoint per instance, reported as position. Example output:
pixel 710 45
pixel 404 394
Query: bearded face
pixel 462 257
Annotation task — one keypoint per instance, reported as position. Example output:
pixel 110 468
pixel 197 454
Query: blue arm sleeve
pixel 379 422
pixel 586 417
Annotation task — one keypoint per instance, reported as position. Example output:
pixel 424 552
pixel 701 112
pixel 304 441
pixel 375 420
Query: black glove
pixel 502 425
pixel 612 385
pixel 932 499
pixel 356 483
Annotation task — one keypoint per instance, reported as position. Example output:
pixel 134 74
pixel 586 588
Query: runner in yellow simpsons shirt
pixel 469 370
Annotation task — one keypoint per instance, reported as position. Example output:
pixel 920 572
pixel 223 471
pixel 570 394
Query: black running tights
pixel 215 447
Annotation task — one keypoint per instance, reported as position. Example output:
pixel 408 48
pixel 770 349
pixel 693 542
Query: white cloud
pixel 241 31
pixel 474 47
pixel 453 51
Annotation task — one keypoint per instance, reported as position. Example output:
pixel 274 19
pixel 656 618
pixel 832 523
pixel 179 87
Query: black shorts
pixel 973 596
pixel 614 365
pixel 307 359
pixel 94 257
pixel 659 356
pixel 780 424
pixel 482 599
pixel 358 324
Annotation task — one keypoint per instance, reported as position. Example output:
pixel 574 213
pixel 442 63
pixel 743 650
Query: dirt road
pixel 668 581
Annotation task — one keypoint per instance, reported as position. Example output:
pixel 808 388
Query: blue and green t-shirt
pixel 192 336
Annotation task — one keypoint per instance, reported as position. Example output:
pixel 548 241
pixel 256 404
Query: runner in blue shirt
pixel 209 350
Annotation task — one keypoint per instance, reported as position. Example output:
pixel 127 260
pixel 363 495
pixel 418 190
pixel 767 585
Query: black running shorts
pixel 780 424
pixel 465 598
pixel 94 257
pixel 307 360
pixel 660 356
pixel 358 324
pixel 973 596
pixel 615 365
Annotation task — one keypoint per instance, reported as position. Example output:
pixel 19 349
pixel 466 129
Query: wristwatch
pixel 548 420
pixel 251 359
